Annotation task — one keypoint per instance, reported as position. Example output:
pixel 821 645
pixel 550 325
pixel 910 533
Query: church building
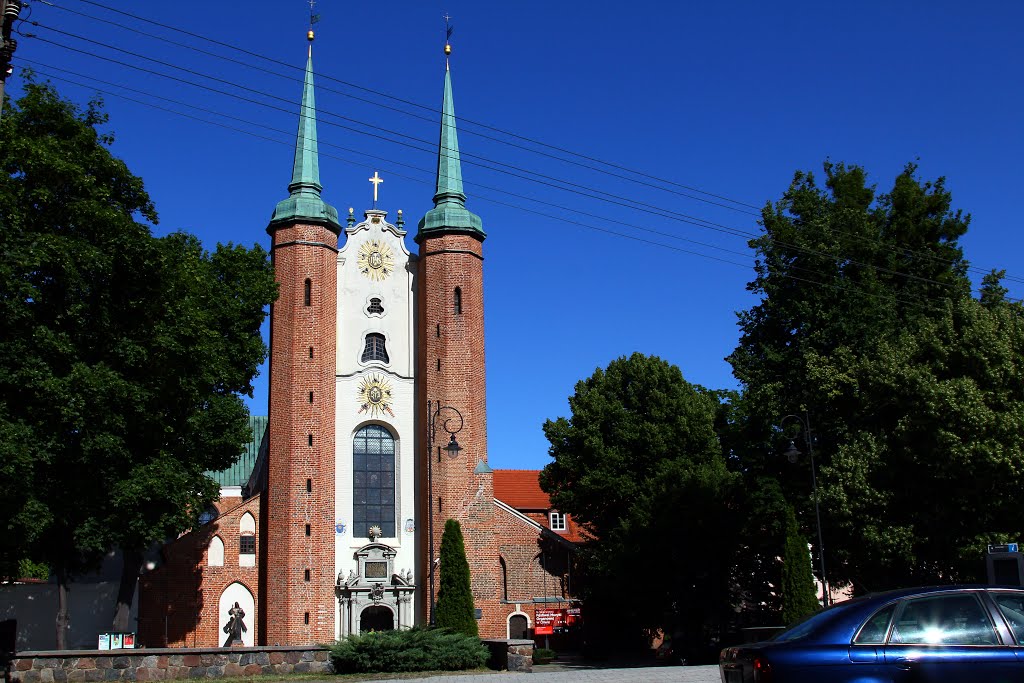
pixel 376 434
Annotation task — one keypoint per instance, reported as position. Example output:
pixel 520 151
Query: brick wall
pixel 535 565
pixel 179 601
pixel 451 371
pixel 301 440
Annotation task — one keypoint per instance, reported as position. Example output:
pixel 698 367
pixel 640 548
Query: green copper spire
pixel 449 213
pixel 304 202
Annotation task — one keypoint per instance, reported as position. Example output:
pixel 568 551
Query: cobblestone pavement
pixel 555 674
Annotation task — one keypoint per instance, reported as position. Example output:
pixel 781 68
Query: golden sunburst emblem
pixel 375 396
pixel 376 260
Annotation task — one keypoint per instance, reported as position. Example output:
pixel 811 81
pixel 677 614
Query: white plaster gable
pixel 391 282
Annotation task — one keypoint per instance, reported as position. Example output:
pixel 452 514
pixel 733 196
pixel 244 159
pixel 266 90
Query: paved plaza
pixel 558 674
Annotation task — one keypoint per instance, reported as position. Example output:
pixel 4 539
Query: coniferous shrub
pixel 455 597
pixel 416 649
pixel 798 594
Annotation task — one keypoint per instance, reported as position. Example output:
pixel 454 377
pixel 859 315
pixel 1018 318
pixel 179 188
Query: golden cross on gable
pixel 376 180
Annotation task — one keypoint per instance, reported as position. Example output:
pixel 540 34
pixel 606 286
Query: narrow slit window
pixel 307 296
pixel 375 348
pixel 458 300
pixel 311 397
pixel 307 618
pixel 307 530
pixel 310 351
pixel 439 364
pixel 375 306
pixel 307 575
pixel 439 330
pixel 309 486
pixel 310 439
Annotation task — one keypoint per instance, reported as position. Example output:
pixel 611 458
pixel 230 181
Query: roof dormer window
pixel 557 520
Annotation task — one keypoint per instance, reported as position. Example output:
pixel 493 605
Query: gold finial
pixel 448 28
pixel 309 35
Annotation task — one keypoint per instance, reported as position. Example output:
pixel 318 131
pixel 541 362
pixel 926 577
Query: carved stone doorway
pixel 378 618
pixel 517 627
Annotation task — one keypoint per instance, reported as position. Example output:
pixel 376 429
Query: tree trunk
pixel 62 609
pixel 131 564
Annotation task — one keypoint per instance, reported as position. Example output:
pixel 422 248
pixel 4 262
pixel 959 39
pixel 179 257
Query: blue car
pixel 942 634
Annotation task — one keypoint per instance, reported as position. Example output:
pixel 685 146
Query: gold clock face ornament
pixel 375 396
pixel 376 260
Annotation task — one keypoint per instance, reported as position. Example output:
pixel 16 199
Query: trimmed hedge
pixel 416 649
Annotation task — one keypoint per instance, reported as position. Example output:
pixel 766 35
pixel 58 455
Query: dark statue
pixel 235 626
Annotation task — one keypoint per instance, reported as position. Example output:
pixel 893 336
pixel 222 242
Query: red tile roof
pixel 521 490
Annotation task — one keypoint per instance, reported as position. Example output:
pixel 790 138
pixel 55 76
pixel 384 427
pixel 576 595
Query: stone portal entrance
pixel 377 618
pixel 374 597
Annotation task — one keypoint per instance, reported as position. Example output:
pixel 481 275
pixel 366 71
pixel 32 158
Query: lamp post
pixel 434 411
pixel 792 454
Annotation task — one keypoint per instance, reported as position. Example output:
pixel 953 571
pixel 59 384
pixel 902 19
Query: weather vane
pixel 448 28
pixel 313 18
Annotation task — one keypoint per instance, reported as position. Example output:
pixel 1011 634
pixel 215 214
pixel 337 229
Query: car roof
pixel 847 616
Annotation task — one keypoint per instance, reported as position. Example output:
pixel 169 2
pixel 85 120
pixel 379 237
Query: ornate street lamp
pixel 793 454
pixel 434 411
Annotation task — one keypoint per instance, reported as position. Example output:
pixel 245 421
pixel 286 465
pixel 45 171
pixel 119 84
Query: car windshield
pixel 803 628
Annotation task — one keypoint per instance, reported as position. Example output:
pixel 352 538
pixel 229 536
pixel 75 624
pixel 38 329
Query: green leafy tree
pixel 864 322
pixel 639 465
pixel 455 596
pixel 917 492
pixel 124 357
pixel 797 589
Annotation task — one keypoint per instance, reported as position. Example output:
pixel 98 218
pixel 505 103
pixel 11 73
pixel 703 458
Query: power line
pixel 914 253
pixel 839 287
pixel 517 172
pixel 645 182
pixel 421 117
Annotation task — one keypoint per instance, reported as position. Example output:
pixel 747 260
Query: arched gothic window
pixel 373 483
pixel 247 541
pixel 375 349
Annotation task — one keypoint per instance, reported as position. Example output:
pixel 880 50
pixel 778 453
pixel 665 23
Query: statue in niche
pixel 235 626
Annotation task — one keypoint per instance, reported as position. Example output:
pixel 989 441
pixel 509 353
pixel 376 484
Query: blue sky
pixel 727 98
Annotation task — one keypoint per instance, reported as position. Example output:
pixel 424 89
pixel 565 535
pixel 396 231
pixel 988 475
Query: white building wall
pixel 396 290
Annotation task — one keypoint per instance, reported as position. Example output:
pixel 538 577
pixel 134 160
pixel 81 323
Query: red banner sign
pixel 550 621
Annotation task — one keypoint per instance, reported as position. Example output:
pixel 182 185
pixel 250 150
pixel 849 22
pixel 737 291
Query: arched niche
pixel 237 592
pixel 215 552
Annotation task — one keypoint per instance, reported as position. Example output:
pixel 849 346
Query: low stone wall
pixel 507 653
pixel 158 664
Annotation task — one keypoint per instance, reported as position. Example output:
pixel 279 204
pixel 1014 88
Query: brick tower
pixel 450 302
pixel 297 554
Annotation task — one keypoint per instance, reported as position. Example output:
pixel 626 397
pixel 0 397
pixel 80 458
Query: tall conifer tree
pixel 798 596
pixel 455 597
